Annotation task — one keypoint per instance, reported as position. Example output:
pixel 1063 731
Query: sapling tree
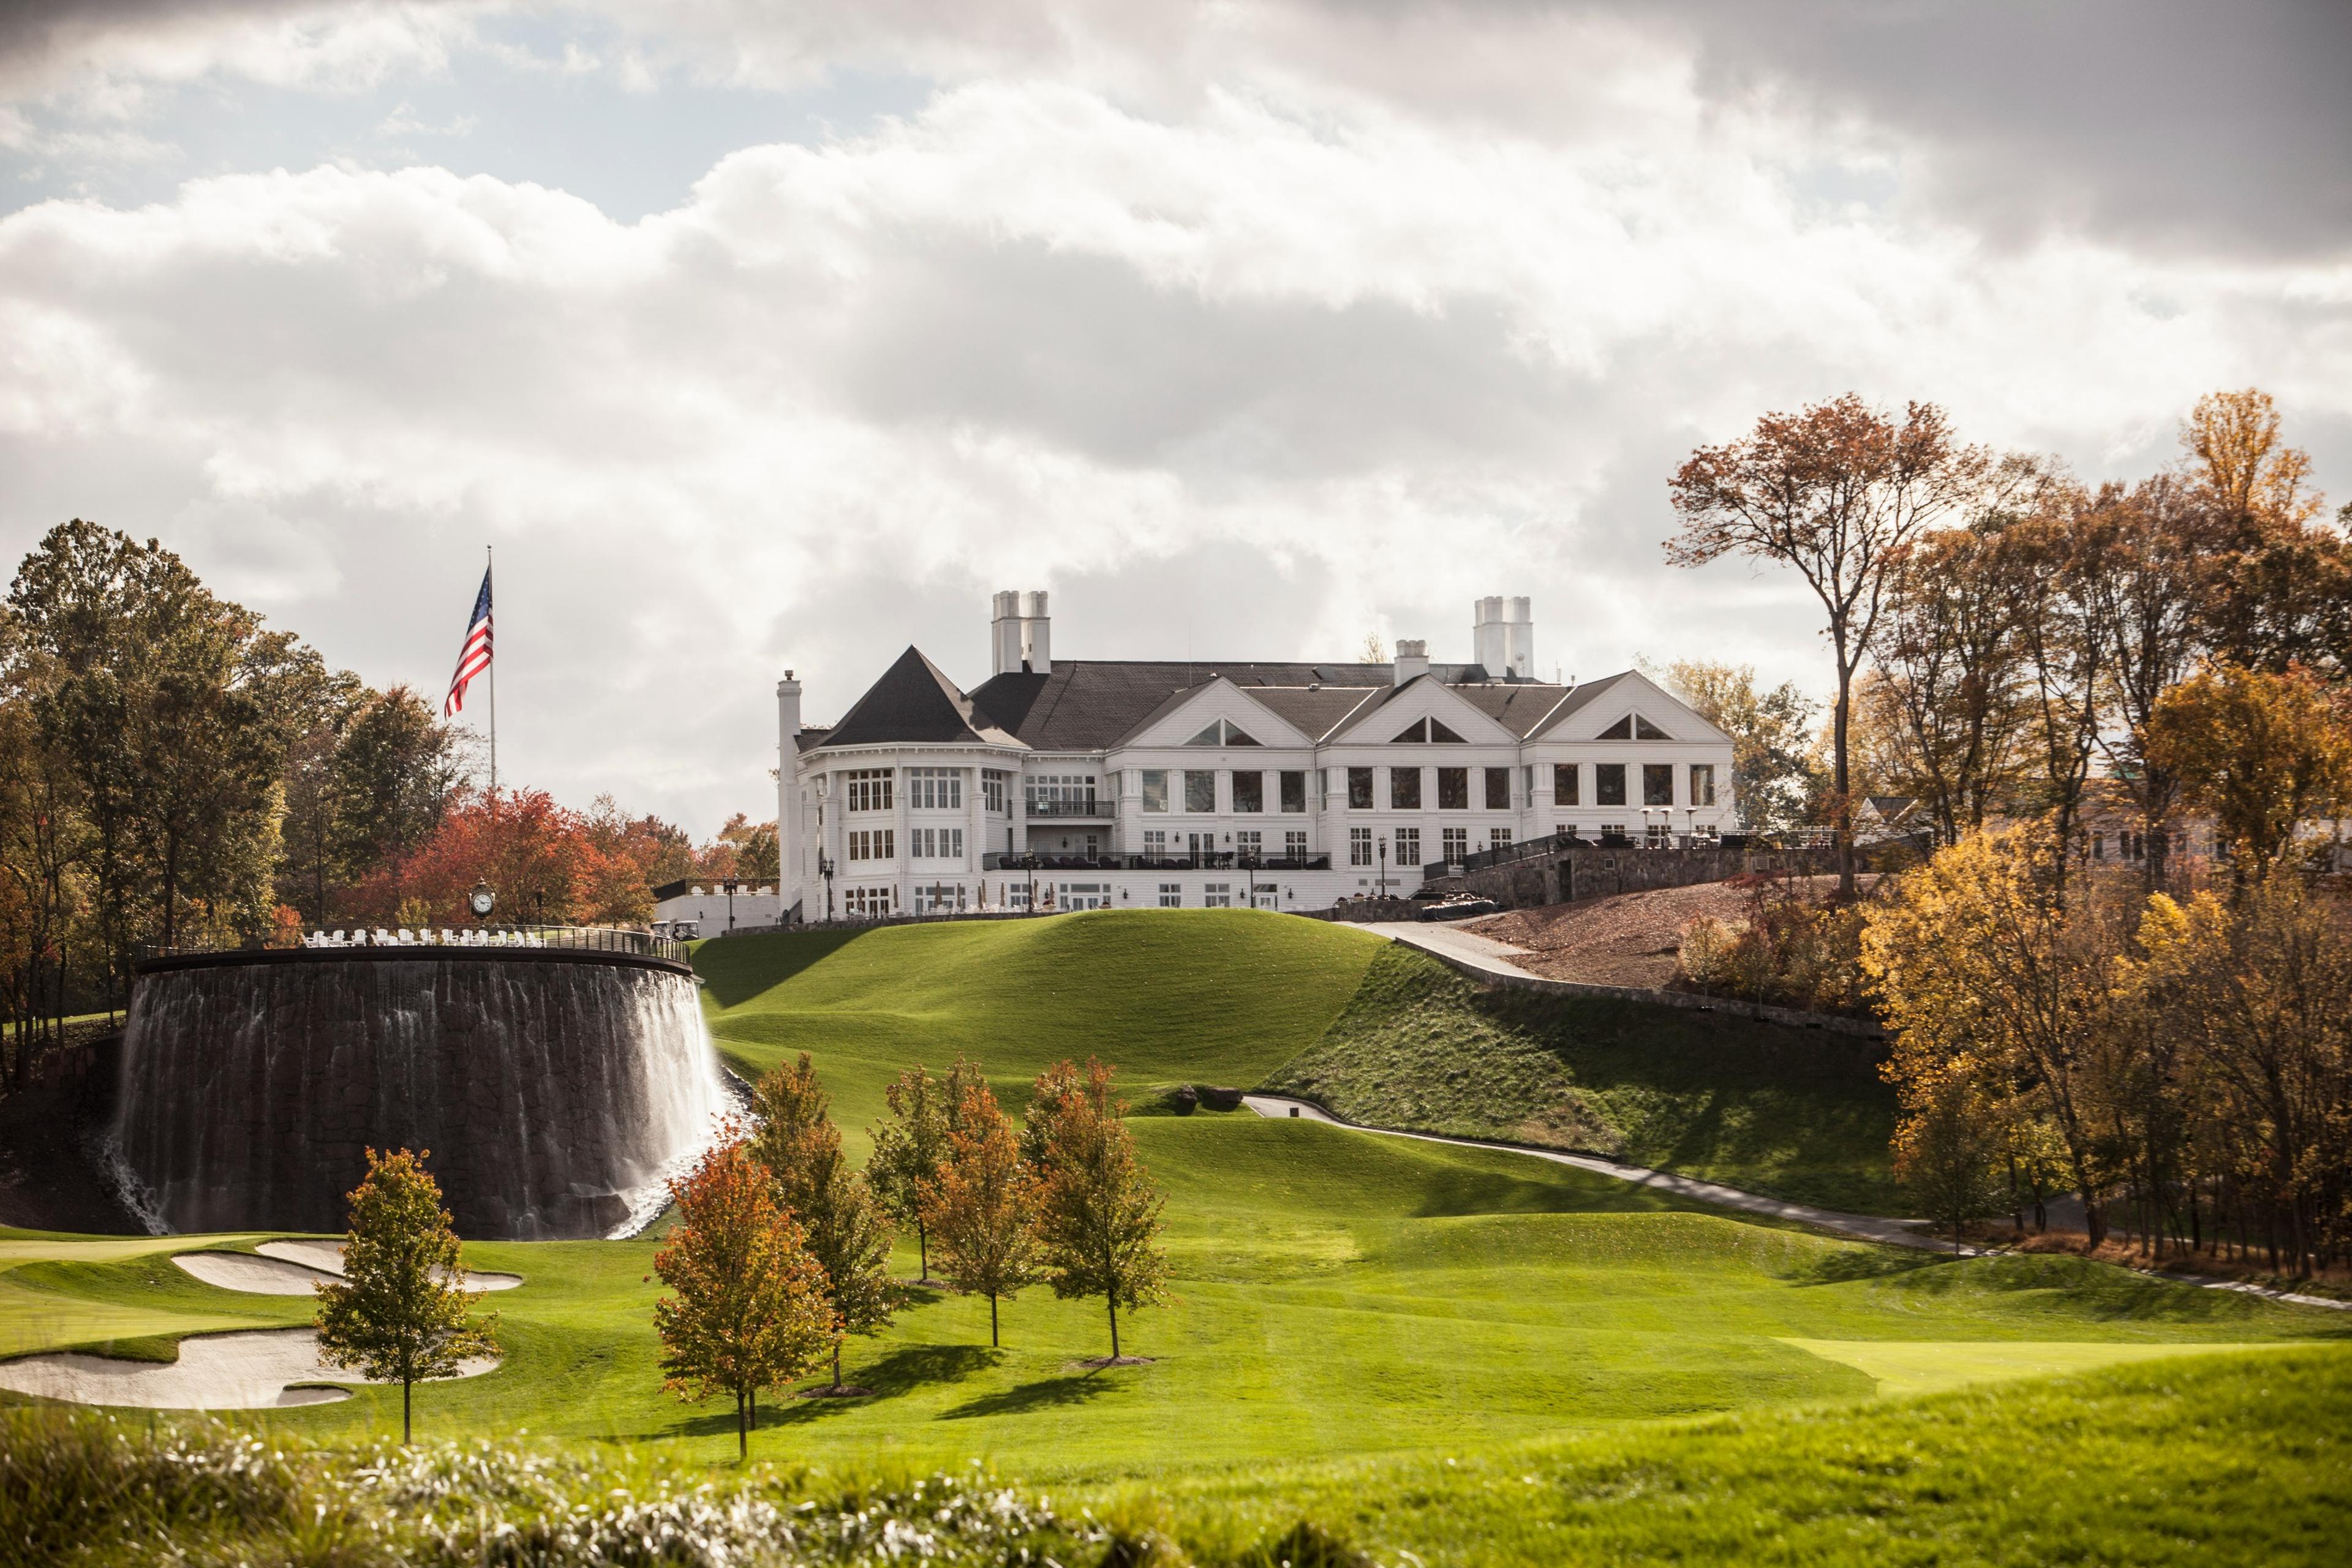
pixel 1947 1147
pixel 846 1232
pixel 399 1313
pixel 751 1309
pixel 981 1208
pixel 1098 1214
pixel 910 1148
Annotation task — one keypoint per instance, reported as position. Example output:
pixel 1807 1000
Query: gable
pixel 1217 714
pixel 1426 707
pixel 1629 707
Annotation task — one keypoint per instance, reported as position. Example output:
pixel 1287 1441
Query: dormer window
pixel 1224 732
pixel 1633 727
pixel 1426 730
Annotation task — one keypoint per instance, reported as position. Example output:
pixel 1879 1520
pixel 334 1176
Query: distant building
pixel 712 906
pixel 1092 784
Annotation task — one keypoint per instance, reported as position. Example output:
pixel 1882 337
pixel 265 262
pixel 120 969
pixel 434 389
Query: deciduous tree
pixel 981 1210
pixel 2262 753
pixel 1098 1214
pixel 910 1147
pixel 400 1313
pixel 1837 491
pixel 1772 779
pixel 750 1310
pixel 846 1231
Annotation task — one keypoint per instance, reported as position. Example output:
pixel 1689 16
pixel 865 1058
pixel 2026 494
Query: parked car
pixel 1458 909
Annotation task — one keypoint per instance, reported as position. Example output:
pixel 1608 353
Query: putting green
pixel 1931 1366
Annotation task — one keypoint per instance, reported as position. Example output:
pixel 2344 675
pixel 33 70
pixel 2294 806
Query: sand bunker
pixel 328 1257
pixel 252 1369
pixel 255 1276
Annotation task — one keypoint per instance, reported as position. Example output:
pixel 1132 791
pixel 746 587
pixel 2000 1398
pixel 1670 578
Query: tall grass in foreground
pixel 2244 1459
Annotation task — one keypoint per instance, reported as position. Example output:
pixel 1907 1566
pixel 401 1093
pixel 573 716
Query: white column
pixel 902 865
pixel 790 872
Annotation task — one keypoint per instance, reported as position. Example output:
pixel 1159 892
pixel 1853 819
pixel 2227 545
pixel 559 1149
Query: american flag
pixel 475 657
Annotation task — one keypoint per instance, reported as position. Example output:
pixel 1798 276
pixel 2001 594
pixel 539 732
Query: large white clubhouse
pixel 1091 784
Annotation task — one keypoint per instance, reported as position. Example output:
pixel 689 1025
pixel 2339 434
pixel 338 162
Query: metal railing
pixel 1089 807
pixel 443 938
pixel 1201 860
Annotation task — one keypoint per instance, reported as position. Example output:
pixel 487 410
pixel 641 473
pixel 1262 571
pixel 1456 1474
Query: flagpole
pixel 492 672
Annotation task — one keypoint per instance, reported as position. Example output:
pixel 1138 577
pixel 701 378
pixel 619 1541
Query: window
pixel 1062 794
pixel 1607 784
pixel 1661 835
pixel 1081 895
pixel 935 789
pixel 1613 832
pixel 870 789
pixel 1457 843
pixel 1429 730
pixel 1200 789
pixel 936 843
pixel 1217 896
pixel 1294 790
pixel 1360 789
pixel 1294 844
pixel 1249 792
pixel 1633 727
pixel 1498 838
pixel 1155 843
pixel 1155 789
pixel 867 902
pixel 1172 895
pixel 1249 845
pixel 1657 784
pixel 1016 895
pixel 1408 846
pixel 2098 846
pixel 1702 784
pixel 873 844
pixel 1564 829
pixel 1404 788
pixel 1360 847
pixel 1498 789
pixel 992 790
pixel 1453 789
pixel 1224 732
pixel 1564 777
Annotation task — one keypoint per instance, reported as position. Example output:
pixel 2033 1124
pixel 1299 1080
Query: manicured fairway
pixel 1338 1294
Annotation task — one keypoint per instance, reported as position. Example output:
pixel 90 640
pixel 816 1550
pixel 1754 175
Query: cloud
pixel 1247 356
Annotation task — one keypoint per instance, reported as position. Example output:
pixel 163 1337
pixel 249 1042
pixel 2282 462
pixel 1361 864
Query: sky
pixel 757 336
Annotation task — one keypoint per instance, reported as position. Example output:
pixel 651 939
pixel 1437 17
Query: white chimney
pixel 788 792
pixel 1486 635
pixel 1004 633
pixel 1503 636
pixel 1519 639
pixel 1411 659
pixel 1020 636
pixel 1036 634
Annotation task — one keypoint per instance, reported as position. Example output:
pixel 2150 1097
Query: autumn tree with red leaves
pixel 981 1208
pixel 751 1309
pixel 1097 1214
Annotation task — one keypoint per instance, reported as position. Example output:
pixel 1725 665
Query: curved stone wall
pixel 547 1085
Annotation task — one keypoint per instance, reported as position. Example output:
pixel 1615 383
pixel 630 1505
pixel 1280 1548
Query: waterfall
pixel 551 1093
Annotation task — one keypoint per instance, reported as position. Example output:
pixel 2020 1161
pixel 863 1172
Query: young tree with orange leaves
pixel 1098 1212
pixel 982 1209
pixel 847 1232
pixel 1838 491
pixel 751 1309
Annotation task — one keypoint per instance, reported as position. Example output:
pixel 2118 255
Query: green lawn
pixel 1338 1294
pixel 1796 1113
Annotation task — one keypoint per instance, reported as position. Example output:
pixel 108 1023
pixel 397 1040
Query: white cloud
pixel 1243 366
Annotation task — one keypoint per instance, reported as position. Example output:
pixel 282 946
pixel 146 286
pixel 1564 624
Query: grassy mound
pixel 1796 1113
pixel 2203 1459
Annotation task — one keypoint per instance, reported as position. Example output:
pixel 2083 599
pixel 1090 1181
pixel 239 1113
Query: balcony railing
pixel 1204 860
pixel 1089 807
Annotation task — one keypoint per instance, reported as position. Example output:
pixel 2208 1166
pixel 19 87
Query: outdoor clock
pixel 482 900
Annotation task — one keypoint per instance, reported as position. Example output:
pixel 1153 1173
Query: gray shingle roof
pixel 913 702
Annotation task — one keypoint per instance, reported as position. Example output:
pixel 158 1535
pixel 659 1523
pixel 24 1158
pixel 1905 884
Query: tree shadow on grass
pixel 1045 1394
pixel 910 1367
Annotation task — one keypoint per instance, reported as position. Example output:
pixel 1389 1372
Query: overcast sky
pixel 760 335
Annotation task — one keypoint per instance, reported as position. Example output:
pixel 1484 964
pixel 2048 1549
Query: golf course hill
pixel 1465 1353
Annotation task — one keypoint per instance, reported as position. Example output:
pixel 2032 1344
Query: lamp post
pixel 824 870
pixel 1381 884
pixel 729 886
